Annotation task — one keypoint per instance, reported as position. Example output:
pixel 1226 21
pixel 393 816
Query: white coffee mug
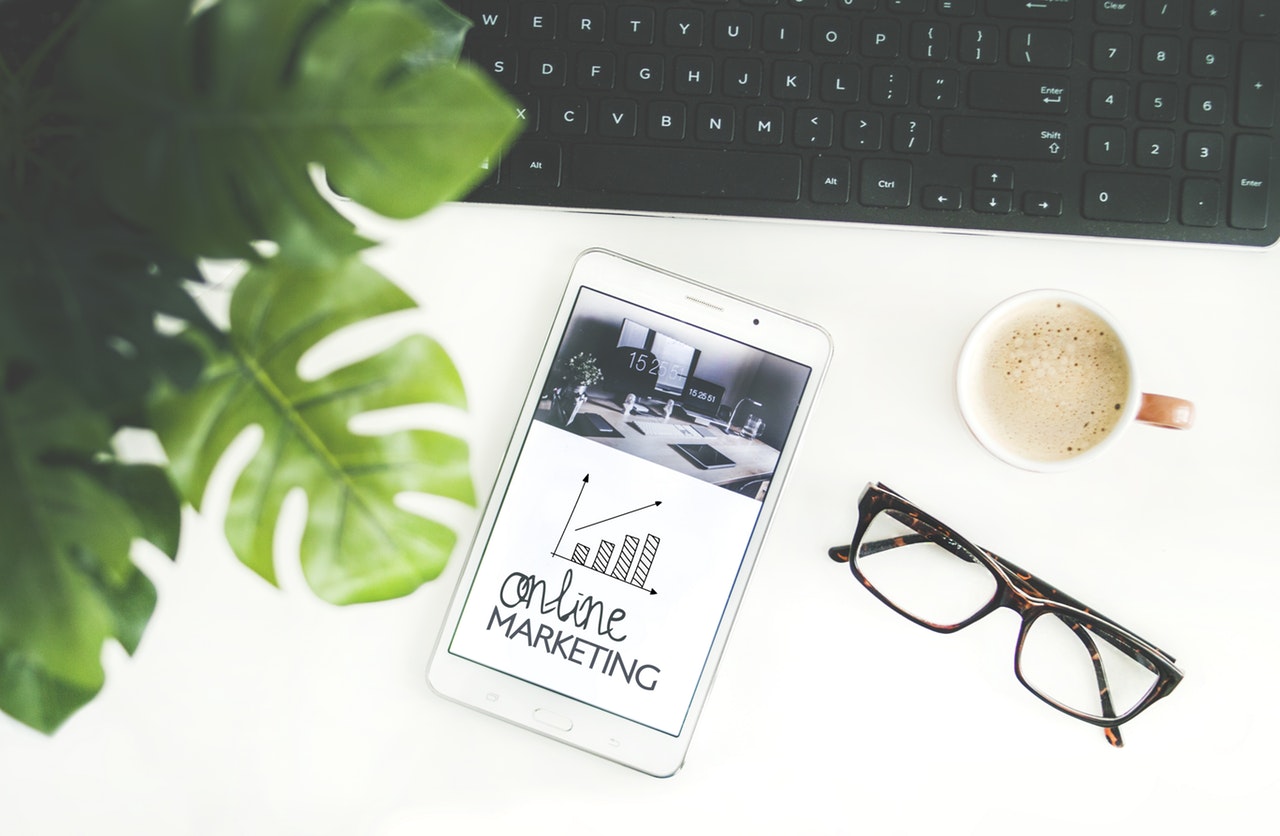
pixel 1046 382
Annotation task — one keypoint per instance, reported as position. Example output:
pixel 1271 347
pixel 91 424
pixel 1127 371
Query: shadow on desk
pixel 708 453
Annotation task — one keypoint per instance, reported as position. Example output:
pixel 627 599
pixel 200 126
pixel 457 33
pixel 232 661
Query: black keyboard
pixel 1152 119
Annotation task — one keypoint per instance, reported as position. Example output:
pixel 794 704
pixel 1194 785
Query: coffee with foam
pixel 1052 380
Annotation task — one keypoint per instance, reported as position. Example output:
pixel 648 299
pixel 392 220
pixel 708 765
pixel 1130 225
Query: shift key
pixel 1009 139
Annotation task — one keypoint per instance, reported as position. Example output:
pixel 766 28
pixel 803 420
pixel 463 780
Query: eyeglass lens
pixel 923 579
pixel 1057 661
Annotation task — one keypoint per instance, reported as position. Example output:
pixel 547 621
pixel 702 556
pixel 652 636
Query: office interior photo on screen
pixel 672 393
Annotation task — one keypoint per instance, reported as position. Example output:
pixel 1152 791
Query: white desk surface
pixel 254 710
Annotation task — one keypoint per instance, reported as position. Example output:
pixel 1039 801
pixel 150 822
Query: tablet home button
pixel 550 718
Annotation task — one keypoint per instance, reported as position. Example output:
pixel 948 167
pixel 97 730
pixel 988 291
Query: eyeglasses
pixel 1076 660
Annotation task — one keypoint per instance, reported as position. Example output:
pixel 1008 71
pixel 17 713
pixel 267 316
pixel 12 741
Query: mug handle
pixel 1165 411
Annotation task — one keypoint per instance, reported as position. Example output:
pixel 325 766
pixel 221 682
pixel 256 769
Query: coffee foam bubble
pixel 1053 380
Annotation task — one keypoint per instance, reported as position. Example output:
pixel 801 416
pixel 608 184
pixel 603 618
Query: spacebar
pixel 684 172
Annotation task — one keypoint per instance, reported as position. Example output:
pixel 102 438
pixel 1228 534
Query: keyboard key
pixel 1042 204
pixel 548 68
pixel 942 198
pixel 1046 48
pixel 567 116
pixel 1108 99
pixel 765 126
pixel 1260 17
pixel 1019 92
pixel 957 8
pixel 1164 14
pixel 586 24
pixel 667 121
pixel 732 30
pixel 1050 10
pixel 683 28
pixel 1010 139
pixel 1251 184
pixel 1206 104
pixel 840 83
pixel 1212 16
pixel 912 134
pixel 1200 203
pixel 715 123
pixel 538 21
pixel 491 18
pixel 1209 58
pixel 890 86
pixel 535 165
pixel 619 118
pixel 930 41
pixel 645 73
pixel 740 175
pixel 782 33
pixel 881 38
pixel 1112 52
pixel 597 71
pixel 832 35
pixel 695 75
pixel 992 201
pixel 979 44
pixel 1203 151
pixel 1259 75
pixel 863 131
pixel 886 183
pixel 1137 198
pixel 792 81
pixel 1158 101
pixel 1114 12
pixel 1161 55
pixel 814 128
pixel 831 180
pixel 1106 145
pixel 636 26
pixel 743 78
pixel 1153 148
pixel 993 177
pixel 940 88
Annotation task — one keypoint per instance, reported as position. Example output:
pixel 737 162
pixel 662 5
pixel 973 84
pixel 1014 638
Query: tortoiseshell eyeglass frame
pixel 1019 591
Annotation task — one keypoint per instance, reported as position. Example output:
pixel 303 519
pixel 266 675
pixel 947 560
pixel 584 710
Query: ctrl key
pixel 1137 198
pixel 886 183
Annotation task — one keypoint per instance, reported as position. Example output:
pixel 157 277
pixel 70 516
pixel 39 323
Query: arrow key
pixel 993 201
pixel 942 198
pixel 993 177
pixel 1042 204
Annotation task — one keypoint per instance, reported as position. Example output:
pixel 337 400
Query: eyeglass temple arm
pixel 840 554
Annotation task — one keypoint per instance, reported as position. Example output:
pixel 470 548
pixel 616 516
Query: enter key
pixel 1251 184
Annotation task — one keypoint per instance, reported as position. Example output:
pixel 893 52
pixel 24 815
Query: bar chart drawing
pixel 631 564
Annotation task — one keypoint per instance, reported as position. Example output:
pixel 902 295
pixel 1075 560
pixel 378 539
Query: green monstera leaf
pixel 357 544
pixel 210 126
pixel 70 514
